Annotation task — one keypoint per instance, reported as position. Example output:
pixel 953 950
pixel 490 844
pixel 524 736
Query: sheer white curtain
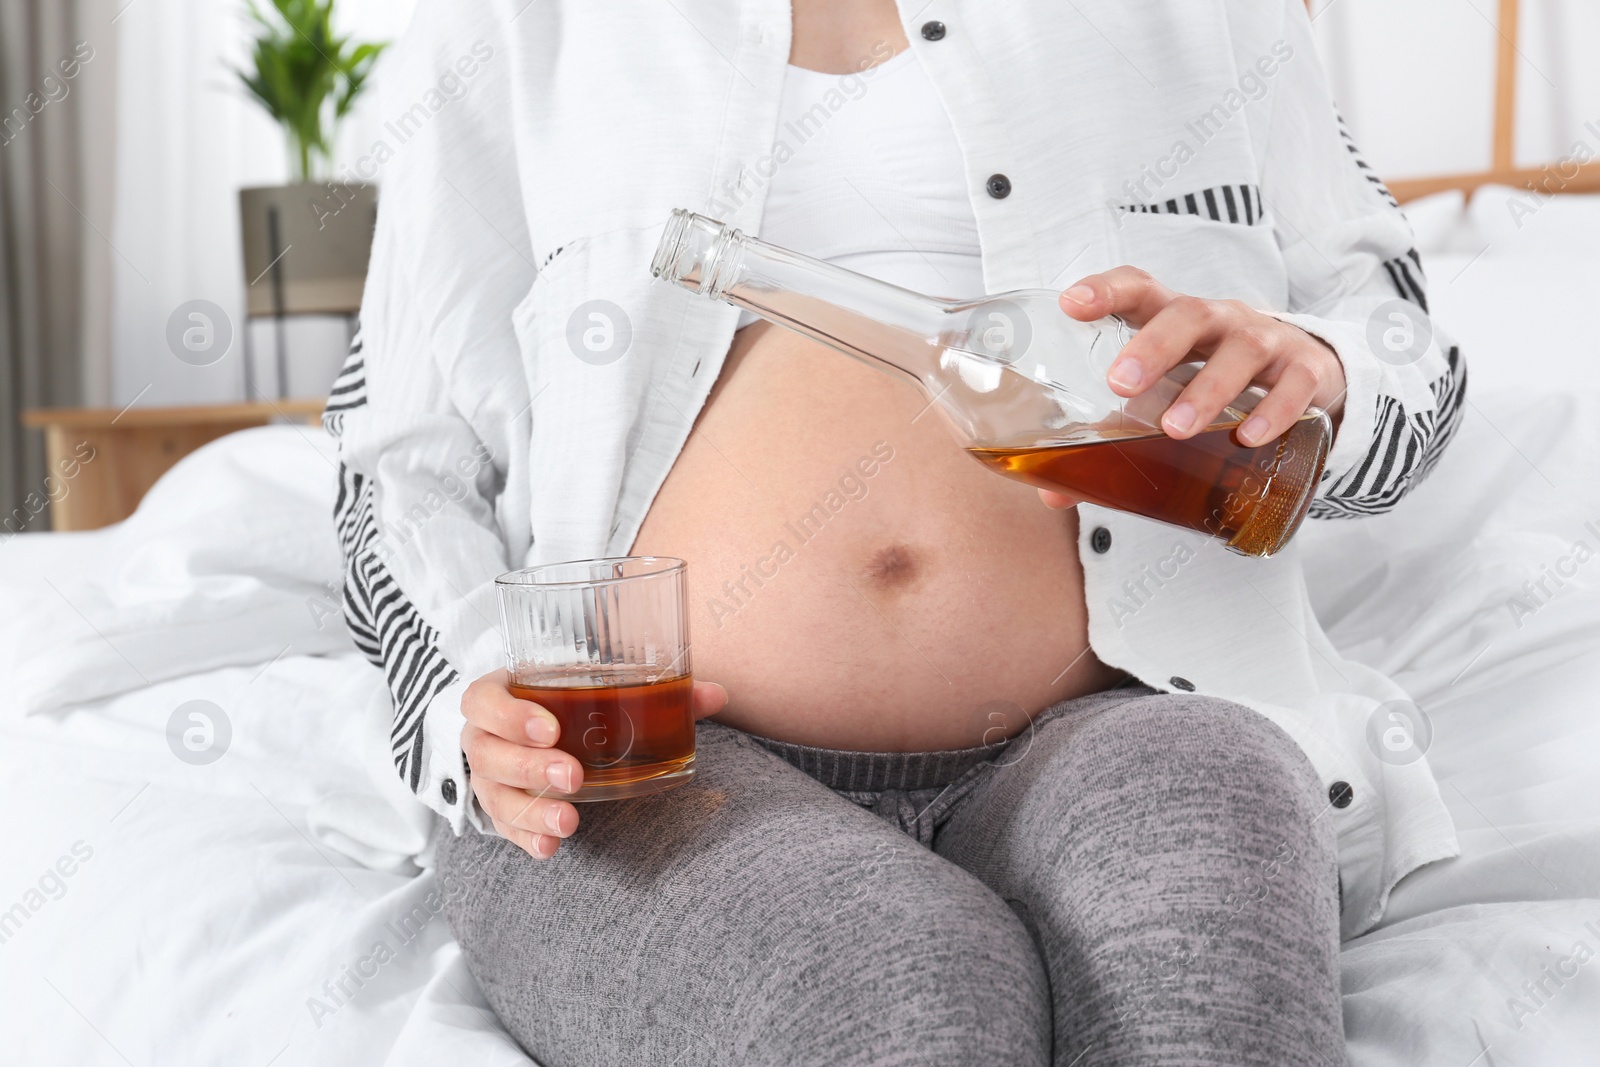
pixel 188 138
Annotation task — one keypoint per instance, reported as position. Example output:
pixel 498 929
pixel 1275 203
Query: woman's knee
pixel 1166 774
pixel 1211 771
pixel 916 962
pixel 1207 746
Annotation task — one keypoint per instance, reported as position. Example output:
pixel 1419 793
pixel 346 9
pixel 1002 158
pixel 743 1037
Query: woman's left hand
pixel 1239 345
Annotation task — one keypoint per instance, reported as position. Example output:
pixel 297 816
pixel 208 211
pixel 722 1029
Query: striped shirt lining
pixel 386 627
pixel 1366 170
pixel 1405 447
pixel 1404 450
pixel 1221 203
pixel 349 388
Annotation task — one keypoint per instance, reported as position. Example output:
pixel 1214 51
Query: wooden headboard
pixel 102 461
pixel 1563 176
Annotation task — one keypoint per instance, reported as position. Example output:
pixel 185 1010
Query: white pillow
pixel 1439 222
pixel 230 559
pixel 1520 320
pixel 1519 222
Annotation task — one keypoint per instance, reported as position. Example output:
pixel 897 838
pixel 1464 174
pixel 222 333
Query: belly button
pixel 893 566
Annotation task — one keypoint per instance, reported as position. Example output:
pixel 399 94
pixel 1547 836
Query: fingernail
pixel 545 847
pixel 560 776
pixel 1080 294
pixel 552 818
pixel 1253 430
pixel 1179 417
pixel 1125 374
pixel 542 730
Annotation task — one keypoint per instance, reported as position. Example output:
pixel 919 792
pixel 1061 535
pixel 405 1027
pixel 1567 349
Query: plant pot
pixel 306 246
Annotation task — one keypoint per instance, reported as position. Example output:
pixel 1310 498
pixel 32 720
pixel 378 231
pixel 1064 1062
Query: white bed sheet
pixel 217 900
pixel 1514 280
pixel 1423 594
pixel 208 912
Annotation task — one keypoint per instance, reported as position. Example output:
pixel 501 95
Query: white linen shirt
pixel 531 156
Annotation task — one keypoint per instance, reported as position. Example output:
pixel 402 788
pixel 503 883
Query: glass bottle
pixel 1023 387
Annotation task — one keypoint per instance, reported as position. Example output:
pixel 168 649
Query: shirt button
pixel 447 789
pixel 999 186
pixel 1340 794
pixel 1181 683
pixel 1100 540
pixel 933 31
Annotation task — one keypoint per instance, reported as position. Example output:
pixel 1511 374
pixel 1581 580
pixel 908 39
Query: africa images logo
pixel 198 732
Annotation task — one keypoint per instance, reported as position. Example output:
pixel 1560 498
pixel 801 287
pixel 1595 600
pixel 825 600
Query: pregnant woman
pixel 983 778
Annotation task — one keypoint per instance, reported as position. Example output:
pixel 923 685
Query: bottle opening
pixel 678 224
pixel 693 251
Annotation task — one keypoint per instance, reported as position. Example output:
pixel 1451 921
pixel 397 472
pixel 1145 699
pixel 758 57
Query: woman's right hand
pixel 518 774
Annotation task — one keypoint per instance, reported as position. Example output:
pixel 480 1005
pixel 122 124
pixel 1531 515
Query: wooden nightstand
pixel 134 447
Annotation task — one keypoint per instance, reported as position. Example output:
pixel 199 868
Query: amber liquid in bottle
pixel 1251 498
pixel 623 729
pixel 1023 387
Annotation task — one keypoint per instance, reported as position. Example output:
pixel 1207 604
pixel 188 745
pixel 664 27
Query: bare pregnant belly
pixel 856 580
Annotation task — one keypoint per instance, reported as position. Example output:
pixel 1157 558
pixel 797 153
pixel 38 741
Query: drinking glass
pixel 603 645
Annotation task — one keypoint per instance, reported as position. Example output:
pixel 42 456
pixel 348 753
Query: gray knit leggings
pixel 1137 878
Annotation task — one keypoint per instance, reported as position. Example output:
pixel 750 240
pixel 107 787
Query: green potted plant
pixel 306 76
pixel 305 244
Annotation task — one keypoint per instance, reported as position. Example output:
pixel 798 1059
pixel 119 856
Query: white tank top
pixel 866 173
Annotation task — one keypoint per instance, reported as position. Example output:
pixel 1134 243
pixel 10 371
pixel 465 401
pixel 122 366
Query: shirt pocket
pixel 1218 260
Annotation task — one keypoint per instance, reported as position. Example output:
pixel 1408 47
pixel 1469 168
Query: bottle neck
pixel 874 321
